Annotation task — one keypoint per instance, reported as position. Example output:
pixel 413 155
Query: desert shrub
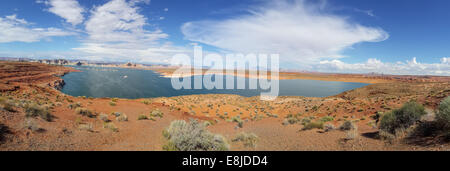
pixel 34 110
pixel 443 114
pixel 111 126
pixel 238 120
pixel 157 113
pixel 6 104
pixel 142 117
pixel 402 118
pixel 352 134
pixel 313 125
pixel 104 117
pixel 291 119
pixel 248 139
pixel 32 125
pixel 329 127
pixel 112 103
pixel 84 112
pixel 326 119
pixel 122 118
pixel 114 100
pixel 74 105
pixel 347 126
pixel 146 102
pixel 86 127
pixel 192 136
pixel 3 131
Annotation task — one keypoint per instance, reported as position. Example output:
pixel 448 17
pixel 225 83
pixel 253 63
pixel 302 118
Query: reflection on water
pixel 133 84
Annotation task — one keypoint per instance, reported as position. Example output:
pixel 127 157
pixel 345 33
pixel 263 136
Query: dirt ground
pixel 23 83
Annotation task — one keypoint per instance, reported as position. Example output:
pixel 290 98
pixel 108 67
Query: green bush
pixel 192 136
pixel 327 119
pixel 34 110
pixel 402 118
pixel 443 114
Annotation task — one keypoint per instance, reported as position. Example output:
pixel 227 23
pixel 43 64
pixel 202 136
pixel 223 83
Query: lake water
pixel 134 84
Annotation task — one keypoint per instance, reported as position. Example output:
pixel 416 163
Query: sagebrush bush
pixel 74 105
pixel 157 113
pixel 327 119
pixel 313 125
pixel 34 110
pixel 122 118
pixel 347 126
pixel 6 104
pixel 192 136
pixel 84 112
pixel 86 127
pixel 104 117
pixel 329 127
pixel 110 126
pixel 402 118
pixel 443 114
pixel 248 139
pixel 142 117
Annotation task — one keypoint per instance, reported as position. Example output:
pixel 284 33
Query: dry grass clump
pixel 84 112
pixel 110 126
pixel 104 117
pixel 32 125
pixel 347 125
pixel 248 139
pixel 142 117
pixel 74 105
pixel 291 119
pixel 122 118
pixel 313 125
pixel 192 136
pixel 86 127
pixel 34 110
pixel 329 127
pixel 157 113
pixel 6 104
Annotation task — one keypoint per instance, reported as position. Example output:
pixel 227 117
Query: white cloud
pixel 70 10
pixel 411 67
pixel 300 32
pixel 116 32
pixel 13 29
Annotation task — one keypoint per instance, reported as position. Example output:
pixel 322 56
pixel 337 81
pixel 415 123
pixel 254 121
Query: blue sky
pixel 350 36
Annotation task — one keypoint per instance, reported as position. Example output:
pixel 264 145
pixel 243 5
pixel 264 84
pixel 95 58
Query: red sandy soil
pixel 36 82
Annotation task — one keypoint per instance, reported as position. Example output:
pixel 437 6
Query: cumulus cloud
pixel 116 32
pixel 13 29
pixel 300 32
pixel 410 67
pixel 70 10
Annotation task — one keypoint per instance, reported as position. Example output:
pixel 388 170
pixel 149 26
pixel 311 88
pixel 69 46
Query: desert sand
pixel 32 82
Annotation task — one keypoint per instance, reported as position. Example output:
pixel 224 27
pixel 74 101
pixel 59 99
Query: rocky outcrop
pixel 57 84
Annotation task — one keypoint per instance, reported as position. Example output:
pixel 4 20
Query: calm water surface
pixel 133 84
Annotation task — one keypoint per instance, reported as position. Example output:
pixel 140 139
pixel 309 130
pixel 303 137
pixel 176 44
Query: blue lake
pixel 134 84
